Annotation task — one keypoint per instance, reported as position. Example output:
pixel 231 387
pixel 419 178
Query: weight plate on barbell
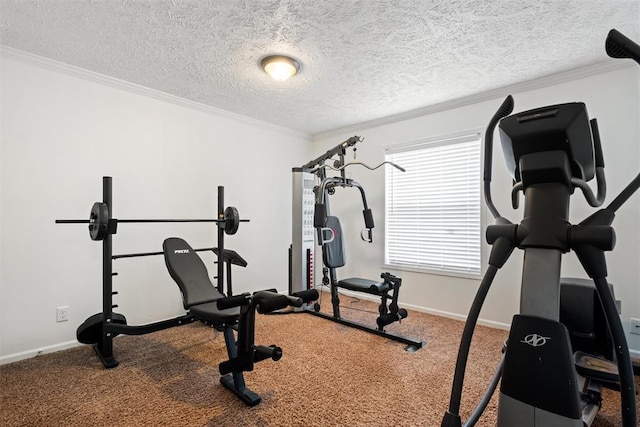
pixel 231 220
pixel 98 221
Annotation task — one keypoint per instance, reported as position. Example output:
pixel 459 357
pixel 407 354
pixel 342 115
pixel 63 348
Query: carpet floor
pixel 330 375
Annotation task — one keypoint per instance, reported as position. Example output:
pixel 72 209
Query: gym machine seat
pixel 333 256
pixel 365 285
pixel 204 302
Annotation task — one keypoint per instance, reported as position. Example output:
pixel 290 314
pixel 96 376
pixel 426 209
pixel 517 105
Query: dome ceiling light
pixel 280 67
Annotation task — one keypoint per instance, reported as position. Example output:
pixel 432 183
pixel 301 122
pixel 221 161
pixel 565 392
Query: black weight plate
pixel 98 221
pixel 231 220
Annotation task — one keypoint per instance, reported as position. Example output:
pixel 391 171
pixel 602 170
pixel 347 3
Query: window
pixel 433 209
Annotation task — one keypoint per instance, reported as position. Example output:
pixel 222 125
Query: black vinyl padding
pixel 268 301
pixel 365 285
pixel 333 252
pixel 307 296
pixel 191 275
pixel 231 257
pixel 210 311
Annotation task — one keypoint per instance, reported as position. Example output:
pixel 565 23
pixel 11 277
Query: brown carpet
pixel 330 375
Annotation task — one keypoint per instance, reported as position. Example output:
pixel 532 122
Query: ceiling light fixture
pixel 280 67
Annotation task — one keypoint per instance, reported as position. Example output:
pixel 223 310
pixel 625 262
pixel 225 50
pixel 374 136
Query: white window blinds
pixel 433 209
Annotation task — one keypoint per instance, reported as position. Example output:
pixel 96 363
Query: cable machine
pixel 313 225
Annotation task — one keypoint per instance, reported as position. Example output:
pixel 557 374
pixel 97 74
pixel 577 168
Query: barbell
pixel 100 225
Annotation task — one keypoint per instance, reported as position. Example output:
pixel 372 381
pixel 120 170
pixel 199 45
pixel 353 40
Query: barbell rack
pixel 113 324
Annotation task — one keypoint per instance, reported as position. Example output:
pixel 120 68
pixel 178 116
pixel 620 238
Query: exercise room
pixel 332 213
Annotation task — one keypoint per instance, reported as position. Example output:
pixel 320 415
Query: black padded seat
pixel 199 296
pixel 364 285
pixel 210 311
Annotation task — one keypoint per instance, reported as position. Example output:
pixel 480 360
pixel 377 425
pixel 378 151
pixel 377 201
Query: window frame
pixel 435 141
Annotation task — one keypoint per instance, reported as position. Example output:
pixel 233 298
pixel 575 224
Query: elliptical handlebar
pixel 619 46
pixel 593 200
pixel 505 109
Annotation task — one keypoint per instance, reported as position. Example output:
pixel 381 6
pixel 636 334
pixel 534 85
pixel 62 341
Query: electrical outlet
pixel 635 326
pixel 62 314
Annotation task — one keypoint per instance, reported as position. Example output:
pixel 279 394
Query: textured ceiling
pixel 361 59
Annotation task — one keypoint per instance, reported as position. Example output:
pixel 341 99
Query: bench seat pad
pixel 374 287
pixel 209 311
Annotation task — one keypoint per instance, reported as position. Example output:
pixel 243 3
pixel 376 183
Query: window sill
pixel 433 272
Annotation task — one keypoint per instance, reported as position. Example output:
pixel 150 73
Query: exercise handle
pixel 262 352
pixel 505 109
pixel 371 168
pixel 330 232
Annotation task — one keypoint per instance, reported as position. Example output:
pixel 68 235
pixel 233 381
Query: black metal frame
pixel 241 350
pixel 326 188
pixel 110 328
pixel 412 344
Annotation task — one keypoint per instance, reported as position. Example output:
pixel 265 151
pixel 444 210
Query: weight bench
pixel 333 257
pixel 204 302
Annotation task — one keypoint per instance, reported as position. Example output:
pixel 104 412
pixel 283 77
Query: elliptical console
pixel 559 128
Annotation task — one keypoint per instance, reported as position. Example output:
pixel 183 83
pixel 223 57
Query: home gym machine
pixel 312 220
pixel 202 300
pixel 550 152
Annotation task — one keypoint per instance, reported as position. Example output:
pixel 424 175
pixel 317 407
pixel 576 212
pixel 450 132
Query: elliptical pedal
pixel 598 369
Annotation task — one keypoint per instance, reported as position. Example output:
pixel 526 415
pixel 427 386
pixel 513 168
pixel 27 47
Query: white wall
pixel 60 134
pixel 612 97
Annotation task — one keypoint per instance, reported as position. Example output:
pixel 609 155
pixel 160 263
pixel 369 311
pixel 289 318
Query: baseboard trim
pixel 456 316
pixel 15 357
pixel 483 322
pixel 421 309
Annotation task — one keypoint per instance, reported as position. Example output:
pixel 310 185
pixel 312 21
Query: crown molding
pixel 113 82
pixel 554 79
pixel 542 82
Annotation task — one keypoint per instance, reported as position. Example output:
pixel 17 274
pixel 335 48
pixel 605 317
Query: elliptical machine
pixel 550 151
